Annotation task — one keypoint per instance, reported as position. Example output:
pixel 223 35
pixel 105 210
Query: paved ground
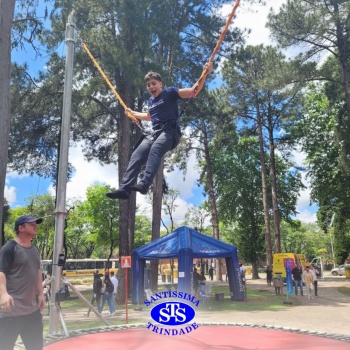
pixel 329 313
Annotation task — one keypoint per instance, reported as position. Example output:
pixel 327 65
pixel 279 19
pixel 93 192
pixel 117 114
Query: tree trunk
pixel 127 207
pixel 276 217
pixel 264 190
pixel 210 190
pixel 7 8
pixel 343 48
pixel 156 219
pixel 343 55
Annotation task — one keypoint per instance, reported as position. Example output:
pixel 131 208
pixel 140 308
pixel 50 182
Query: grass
pixel 256 301
pixel 344 290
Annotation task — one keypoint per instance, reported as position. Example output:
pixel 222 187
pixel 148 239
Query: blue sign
pixel 289 280
pixel 172 313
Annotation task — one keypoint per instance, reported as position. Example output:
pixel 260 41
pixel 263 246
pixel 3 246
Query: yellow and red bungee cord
pixel 201 80
pixel 135 120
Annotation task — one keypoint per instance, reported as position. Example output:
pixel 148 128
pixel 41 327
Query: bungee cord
pixel 201 80
pixel 135 120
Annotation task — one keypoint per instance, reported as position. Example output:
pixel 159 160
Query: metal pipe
pixel 60 211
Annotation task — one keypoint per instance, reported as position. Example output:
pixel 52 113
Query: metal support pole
pixel 62 173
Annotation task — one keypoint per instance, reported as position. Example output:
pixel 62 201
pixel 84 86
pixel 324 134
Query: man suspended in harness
pixel 163 113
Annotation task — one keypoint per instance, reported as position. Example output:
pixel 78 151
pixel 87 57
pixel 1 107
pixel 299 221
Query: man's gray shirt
pixel 21 266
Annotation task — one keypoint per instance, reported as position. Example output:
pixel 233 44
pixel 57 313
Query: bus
pixel 82 267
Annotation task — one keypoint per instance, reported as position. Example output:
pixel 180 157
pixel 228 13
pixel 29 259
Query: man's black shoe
pixel 118 194
pixel 140 188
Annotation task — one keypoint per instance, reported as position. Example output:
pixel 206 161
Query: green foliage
pixel 240 195
pixel 5 216
pixel 28 24
pixel 321 27
pixel 41 206
pixel 329 180
pixel 91 230
pixel 79 234
pixel 104 216
pixel 196 217
pixel 296 238
pixel 34 142
pixel 344 291
pixel 143 231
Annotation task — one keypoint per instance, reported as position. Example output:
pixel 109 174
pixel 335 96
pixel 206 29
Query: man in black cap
pixel 21 292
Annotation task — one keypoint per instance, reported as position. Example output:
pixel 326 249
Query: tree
pixel 169 207
pixel 323 28
pixel 128 38
pixel 42 206
pixel 307 239
pixel 209 118
pixel 261 86
pixel 103 215
pixel 240 194
pixel 35 151
pixel 23 22
pixel 240 197
pixel 80 233
pixel 143 231
pixel 196 217
pixel 328 180
pixel 7 8
pixel 5 216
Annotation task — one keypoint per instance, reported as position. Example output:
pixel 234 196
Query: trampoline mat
pixel 205 337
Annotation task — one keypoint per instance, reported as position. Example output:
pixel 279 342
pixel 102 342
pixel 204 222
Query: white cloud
pixel 307 216
pixel 86 173
pixel 307 211
pixel 254 18
pixel 177 181
pixel 176 178
pixel 15 175
pixel 10 194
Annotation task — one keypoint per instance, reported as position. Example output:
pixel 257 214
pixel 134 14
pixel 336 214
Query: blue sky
pixel 19 188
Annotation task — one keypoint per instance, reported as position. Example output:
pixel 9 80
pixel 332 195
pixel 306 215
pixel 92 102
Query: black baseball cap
pixel 25 219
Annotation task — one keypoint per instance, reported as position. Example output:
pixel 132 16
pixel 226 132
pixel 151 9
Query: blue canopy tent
pixel 185 244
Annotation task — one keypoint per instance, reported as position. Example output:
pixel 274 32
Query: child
pixel 309 282
pixel 163 113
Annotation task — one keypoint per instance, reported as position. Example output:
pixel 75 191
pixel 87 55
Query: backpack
pixel 109 286
pixel 97 286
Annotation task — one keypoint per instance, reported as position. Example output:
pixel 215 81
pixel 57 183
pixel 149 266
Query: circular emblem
pixel 172 313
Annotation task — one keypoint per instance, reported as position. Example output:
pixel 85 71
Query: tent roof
pixel 168 246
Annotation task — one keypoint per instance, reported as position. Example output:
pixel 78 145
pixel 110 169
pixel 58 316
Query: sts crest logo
pixel 172 313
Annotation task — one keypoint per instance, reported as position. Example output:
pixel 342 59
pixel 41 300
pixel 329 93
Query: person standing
pixel 309 282
pixel 97 292
pixel 211 273
pixel 297 273
pixel 268 275
pixel 163 112
pixel 242 271
pixel 196 279
pixel 108 289
pixel 47 291
pixel 115 282
pixel 315 274
pixel 21 293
